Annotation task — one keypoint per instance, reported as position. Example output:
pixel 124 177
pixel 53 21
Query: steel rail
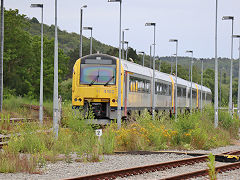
pixel 142 169
pixel 219 169
pixel 153 168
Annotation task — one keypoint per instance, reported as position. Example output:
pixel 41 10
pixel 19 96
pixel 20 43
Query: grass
pixel 211 165
pixel 37 144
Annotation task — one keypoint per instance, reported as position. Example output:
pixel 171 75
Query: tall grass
pixel 195 131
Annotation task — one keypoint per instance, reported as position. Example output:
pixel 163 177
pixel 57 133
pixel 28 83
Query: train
pixel 95 85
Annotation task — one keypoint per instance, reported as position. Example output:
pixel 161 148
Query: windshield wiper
pixel 93 81
pixel 109 81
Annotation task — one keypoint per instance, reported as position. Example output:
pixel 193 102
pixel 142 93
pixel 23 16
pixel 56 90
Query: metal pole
pixel 126 51
pixel 55 87
pixel 150 56
pixel 231 73
pixel 189 73
pixel 41 76
pixel 191 85
pixel 91 42
pixel 143 58
pixel 2 48
pixel 176 83
pixel 153 96
pixel 123 44
pixel 171 65
pixel 216 74
pixel 239 83
pixel 119 72
pixel 80 45
pixel 202 87
pixel 220 93
pixel 159 65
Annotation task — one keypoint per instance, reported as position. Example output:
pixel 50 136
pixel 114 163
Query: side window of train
pixel 148 86
pixel 170 90
pixel 179 91
pixel 194 94
pixel 184 92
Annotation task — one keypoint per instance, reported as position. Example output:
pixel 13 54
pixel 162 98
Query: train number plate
pixel 109 91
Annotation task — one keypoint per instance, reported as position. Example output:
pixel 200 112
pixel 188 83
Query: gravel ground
pixel 62 169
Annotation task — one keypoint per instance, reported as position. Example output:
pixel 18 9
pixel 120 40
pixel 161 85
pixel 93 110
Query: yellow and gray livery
pixel 95 80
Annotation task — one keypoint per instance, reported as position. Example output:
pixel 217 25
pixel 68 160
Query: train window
pixel 170 90
pixel 194 94
pixel 209 97
pixel 204 95
pixel 184 92
pixel 157 88
pixel 179 91
pixel 148 86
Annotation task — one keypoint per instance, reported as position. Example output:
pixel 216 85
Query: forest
pixel 21 63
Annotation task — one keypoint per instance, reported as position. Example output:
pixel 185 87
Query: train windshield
pixel 98 74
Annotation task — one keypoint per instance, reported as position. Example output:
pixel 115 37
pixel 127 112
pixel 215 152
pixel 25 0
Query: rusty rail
pixel 155 167
pixel 142 169
pixel 219 169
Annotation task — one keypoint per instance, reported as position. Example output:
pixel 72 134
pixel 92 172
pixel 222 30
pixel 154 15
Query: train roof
pixel 141 70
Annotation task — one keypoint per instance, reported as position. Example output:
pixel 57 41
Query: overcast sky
pixel 192 22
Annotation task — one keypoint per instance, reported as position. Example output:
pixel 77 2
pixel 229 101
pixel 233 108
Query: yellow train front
pixel 94 84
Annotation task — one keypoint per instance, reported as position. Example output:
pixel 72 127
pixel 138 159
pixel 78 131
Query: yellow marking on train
pixel 172 90
pixel 197 94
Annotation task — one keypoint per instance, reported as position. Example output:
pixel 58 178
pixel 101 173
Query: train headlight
pixel 79 99
pixel 113 100
pixel 75 99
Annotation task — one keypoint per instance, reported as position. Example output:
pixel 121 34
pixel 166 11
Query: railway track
pixel 166 165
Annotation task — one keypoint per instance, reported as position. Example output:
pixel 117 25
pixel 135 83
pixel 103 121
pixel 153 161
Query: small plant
pixel 211 165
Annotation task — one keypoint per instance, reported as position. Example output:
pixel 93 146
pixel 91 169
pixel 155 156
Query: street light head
pixel 236 36
pixel 189 51
pixel 126 29
pixel 114 0
pixel 36 6
pixel 173 40
pixel 141 52
pixel 87 28
pixel 84 6
pixel 125 42
pixel 150 24
pixel 227 18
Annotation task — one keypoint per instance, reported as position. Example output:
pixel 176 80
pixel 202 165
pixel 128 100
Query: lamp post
pixel 153 89
pixel 143 53
pixel 191 81
pixel 41 69
pixel 119 65
pixel 55 85
pixel 216 72
pixel 81 17
pixel 202 86
pixel 159 65
pixel 126 42
pixel 1 62
pixel 238 99
pixel 123 42
pixel 231 68
pixel 201 106
pixel 150 66
pixel 89 28
pixel 176 41
pixel 172 64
